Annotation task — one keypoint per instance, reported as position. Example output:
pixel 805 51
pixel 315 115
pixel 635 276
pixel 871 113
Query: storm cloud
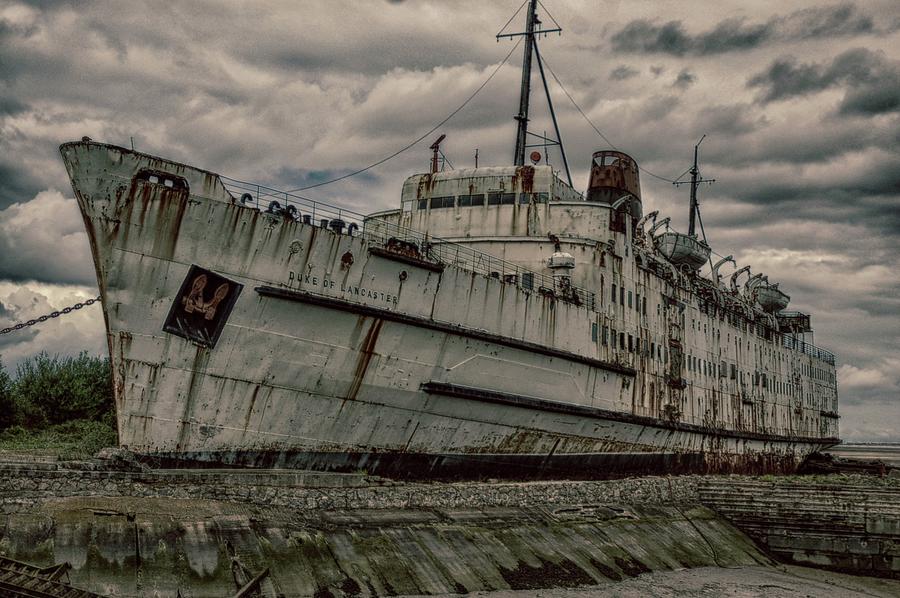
pixel 871 80
pixel 737 34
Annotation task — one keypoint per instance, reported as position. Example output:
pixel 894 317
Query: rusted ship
pixel 498 323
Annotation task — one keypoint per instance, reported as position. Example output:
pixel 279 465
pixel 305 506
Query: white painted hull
pixel 379 364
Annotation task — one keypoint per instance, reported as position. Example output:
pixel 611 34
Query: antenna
pixel 696 179
pixel 525 91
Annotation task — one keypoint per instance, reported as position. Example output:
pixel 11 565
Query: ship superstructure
pixel 498 323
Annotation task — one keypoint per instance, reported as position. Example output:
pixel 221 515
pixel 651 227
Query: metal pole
pixel 525 91
pixel 695 172
pixel 562 150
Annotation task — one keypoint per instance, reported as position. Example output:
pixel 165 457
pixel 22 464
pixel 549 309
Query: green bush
pixel 57 405
pixel 7 400
pixel 55 390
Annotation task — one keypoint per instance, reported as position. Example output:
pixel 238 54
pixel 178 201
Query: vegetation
pixel 58 405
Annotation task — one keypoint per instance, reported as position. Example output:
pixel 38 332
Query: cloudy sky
pixel 800 101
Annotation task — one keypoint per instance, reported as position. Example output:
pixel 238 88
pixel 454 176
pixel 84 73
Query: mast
pixel 525 91
pixel 695 172
pixel 696 179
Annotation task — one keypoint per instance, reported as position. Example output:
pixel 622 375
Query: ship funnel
pixel 614 175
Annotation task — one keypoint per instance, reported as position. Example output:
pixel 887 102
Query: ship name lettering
pixel 297 279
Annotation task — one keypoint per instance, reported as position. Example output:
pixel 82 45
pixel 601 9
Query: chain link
pixel 53 314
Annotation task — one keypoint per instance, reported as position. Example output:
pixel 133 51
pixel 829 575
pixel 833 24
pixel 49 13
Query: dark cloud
pixel 620 73
pixel 16 184
pixel 734 35
pixel 872 81
pixel 829 21
pixel 11 106
pixel 684 79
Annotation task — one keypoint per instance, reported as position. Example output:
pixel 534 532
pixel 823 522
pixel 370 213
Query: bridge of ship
pixel 381 233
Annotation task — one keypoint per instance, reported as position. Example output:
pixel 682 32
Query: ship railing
pixel 802 346
pixel 381 232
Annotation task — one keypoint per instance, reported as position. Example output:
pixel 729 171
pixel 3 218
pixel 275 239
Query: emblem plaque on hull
pixel 202 306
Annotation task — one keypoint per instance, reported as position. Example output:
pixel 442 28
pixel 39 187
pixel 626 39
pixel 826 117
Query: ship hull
pixel 245 338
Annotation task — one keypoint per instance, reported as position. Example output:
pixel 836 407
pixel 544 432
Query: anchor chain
pixel 53 314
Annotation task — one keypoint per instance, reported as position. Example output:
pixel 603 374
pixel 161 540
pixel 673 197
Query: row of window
pixel 478 199
pixel 694 364
pixel 610 337
pixel 818 374
pixel 639 303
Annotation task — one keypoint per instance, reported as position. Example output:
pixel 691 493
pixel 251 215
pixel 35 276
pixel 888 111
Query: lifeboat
pixel 681 249
pixel 771 298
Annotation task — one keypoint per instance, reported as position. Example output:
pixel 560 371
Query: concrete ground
pixel 714 582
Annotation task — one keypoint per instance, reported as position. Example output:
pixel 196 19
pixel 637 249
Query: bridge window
pixel 442 202
pixel 423 204
pixel 508 198
pixel 471 200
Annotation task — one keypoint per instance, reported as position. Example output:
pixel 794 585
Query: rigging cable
pixel 426 134
pixel 593 126
pixel 518 10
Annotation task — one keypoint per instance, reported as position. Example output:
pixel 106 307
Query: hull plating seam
pixel 392 316
pixel 489 396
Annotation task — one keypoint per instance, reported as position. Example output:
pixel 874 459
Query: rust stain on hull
pixel 365 357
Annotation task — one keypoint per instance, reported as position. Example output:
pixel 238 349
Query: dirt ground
pixel 744 582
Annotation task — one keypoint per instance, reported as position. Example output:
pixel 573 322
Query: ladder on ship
pixel 18 579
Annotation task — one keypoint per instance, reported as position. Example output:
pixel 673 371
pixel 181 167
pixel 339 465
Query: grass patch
pixel 76 439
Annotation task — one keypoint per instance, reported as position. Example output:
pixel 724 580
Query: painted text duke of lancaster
pixel 311 282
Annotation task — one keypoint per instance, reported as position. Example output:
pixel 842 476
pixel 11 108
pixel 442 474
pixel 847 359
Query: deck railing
pixel 379 232
pixel 808 348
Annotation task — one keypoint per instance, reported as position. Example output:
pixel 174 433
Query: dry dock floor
pixel 718 582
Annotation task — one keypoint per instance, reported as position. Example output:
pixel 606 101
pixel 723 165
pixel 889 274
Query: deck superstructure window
pixel 494 198
pixel 471 200
pixel 622 295
pixel 508 198
pixel 442 202
pixel 614 292
pixel 524 198
pixel 541 197
pixel 423 204
pixel 622 341
pixel 629 298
